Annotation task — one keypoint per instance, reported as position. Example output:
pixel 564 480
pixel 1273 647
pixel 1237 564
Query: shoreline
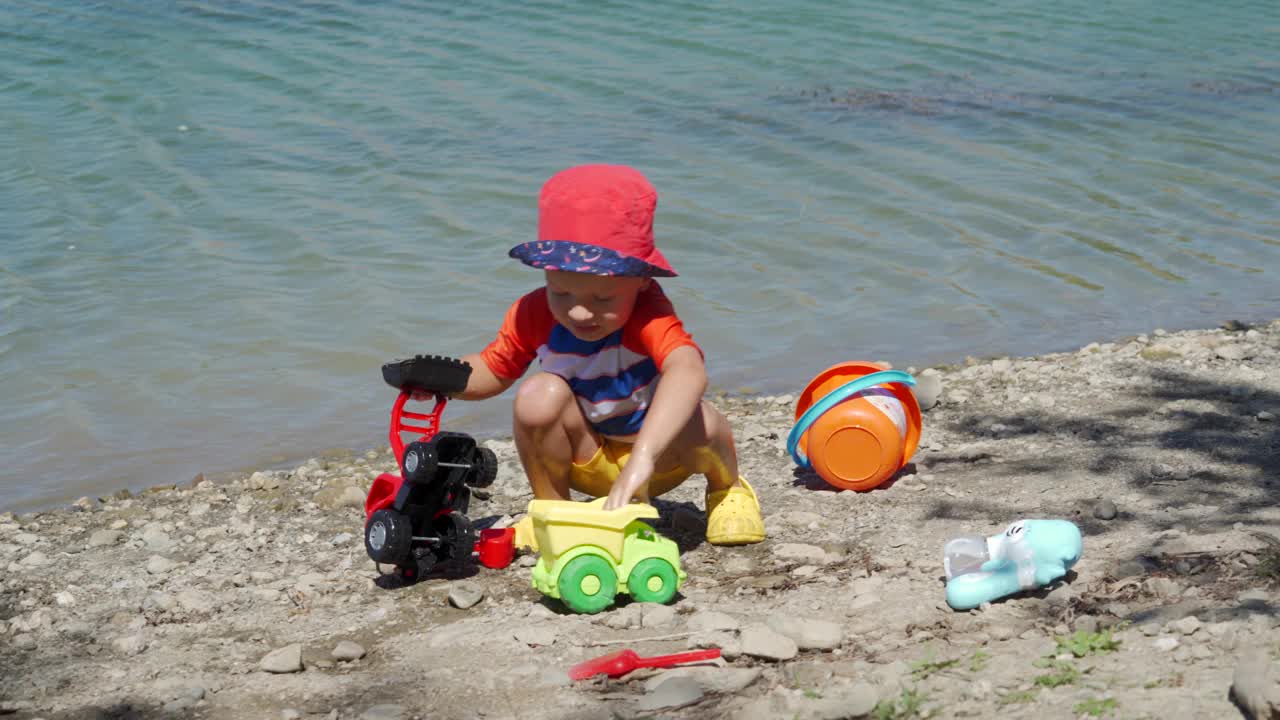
pixel 500 431
pixel 254 598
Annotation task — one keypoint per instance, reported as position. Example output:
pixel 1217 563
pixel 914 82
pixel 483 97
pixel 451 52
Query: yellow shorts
pixel 595 478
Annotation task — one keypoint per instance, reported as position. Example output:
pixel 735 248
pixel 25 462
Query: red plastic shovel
pixel 624 661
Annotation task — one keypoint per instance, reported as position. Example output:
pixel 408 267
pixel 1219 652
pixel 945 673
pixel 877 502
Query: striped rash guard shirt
pixel 613 378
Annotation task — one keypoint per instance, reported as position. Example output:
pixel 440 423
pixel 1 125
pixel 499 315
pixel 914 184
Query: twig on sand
pixel 1266 537
pixel 672 636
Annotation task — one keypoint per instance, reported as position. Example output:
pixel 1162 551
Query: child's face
pixel 592 306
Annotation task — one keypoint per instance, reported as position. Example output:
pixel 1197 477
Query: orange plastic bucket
pixel 864 435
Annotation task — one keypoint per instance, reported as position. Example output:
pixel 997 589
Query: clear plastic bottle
pixel 964 555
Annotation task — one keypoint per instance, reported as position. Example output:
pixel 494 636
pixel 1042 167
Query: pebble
pixel 180 705
pixel 1104 510
pixel 928 389
pixel 538 611
pixel 808 633
pixel 104 538
pixel 346 651
pixel 705 620
pixel 623 618
pixel 36 559
pixel 728 680
pixel 1266 416
pixel 263 481
pixel 1187 625
pixel 161 601
pixel 763 642
pixel 800 552
pixel 196 601
pixel 129 644
pixel 351 497
pixel 1166 643
pixel 159 565
pixel 1164 587
pixel 385 711
pixel 463 595
pixel 836 702
pixel 287 659
pixel 673 692
pixel 656 615
pixel 156 539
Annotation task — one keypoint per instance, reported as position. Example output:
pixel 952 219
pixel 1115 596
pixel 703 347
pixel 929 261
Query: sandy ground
pixel 1164 449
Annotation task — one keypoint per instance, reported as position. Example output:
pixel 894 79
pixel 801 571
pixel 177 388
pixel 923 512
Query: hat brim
pixel 591 259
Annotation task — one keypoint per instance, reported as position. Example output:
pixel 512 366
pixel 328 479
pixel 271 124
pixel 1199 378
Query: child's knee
pixel 541 400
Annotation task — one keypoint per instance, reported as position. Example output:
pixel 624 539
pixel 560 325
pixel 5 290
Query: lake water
pixel 220 218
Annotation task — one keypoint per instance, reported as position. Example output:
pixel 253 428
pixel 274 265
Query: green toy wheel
pixel 587 584
pixel 653 580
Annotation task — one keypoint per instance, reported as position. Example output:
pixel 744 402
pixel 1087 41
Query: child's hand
pixel 421 395
pixel 634 476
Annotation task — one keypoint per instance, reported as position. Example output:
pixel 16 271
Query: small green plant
pixel 1064 673
pixel 910 704
pixel 1268 567
pixel 924 668
pixel 812 694
pixel 1083 643
pixel 1095 707
pixel 979 661
pixel 1021 696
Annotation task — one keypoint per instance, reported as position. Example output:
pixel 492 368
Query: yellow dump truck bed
pixel 560 525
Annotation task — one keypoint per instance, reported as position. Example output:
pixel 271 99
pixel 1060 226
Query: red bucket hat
pixel 596 219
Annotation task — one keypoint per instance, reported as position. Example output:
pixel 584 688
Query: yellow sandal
pixel 733 516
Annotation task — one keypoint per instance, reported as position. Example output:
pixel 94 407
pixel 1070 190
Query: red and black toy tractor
pixel 418 518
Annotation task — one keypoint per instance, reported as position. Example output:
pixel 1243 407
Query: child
pixel 617 408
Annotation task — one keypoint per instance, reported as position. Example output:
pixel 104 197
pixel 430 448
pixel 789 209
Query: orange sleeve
pixel 525 328
pixel 654 329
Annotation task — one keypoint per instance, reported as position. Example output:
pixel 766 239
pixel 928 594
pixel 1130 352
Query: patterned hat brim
pixel 584 258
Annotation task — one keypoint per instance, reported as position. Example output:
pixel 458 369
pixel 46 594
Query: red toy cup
pixel 497 547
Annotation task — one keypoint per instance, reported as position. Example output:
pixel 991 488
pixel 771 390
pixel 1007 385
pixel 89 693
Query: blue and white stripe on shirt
pixel 613 385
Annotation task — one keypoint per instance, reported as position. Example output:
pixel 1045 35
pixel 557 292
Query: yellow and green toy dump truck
pixel 589 554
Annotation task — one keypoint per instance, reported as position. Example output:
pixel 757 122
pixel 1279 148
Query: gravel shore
pixel 254 598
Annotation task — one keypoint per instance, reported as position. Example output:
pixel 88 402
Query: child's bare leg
pixel 550 433
pixel 705 446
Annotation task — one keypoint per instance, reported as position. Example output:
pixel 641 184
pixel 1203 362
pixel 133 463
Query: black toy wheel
pixel 419 567
pixel 387 536
pixel 485 470
pixel 420 462
pixel 432 373
pixel 457 536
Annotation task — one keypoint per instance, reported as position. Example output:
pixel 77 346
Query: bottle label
pixel 886 402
